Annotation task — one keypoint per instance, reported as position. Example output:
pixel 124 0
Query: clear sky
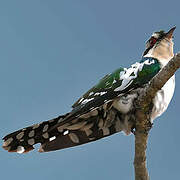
pixel 53 51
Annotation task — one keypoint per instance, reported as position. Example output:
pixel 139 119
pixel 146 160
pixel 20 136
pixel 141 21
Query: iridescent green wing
pixel 109 82
pixel 120 81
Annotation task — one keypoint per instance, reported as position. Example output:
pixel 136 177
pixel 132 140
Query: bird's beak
pixel 169 34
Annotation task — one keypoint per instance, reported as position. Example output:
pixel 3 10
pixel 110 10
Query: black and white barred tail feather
pixel 96 124
pixel 22 141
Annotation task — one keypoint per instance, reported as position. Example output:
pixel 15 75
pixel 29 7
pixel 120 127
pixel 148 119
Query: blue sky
pixel 53 51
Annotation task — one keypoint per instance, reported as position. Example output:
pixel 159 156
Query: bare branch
pixel 143 124
pixel 141 172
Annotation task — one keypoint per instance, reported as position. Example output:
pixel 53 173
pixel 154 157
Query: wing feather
pixel 120 81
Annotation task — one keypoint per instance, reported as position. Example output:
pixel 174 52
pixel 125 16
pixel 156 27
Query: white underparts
pixel 163 98
pixel 161 101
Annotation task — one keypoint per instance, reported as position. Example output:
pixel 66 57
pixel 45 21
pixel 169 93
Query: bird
pixel 107 108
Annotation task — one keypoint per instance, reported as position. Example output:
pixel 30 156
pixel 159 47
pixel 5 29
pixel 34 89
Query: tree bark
pixel 141 172
pixel 143 124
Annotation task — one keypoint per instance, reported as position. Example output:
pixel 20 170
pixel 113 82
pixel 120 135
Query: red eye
pixel 153 41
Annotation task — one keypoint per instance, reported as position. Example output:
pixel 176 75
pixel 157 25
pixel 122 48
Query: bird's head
pixel 160 45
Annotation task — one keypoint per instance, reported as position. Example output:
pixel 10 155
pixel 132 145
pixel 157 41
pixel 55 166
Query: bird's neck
pixel 163 58
pixel 162 52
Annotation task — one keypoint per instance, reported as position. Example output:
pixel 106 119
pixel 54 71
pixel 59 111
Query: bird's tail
pixel 22 141
pixel 60 133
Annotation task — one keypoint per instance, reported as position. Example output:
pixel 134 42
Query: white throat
pixel 162 51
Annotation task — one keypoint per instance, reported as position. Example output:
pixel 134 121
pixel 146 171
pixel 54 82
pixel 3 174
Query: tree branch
pixel 143 124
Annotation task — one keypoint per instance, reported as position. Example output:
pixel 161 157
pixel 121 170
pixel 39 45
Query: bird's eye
pixel 152 41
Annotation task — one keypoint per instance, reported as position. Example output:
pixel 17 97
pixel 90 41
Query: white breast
pixel 163 98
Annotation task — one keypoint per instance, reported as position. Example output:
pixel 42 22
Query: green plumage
pixel 148 71
pixel 123 79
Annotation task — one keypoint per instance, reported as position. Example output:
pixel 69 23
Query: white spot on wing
pixel 20 149
pixel 87 100
pixel 91 93
pixel 126 75
pixel 66 132
pixel 100 93
pixel 81 100
pixel 52 138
